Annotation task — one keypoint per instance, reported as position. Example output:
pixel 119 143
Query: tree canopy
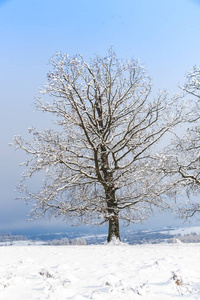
pixel 101 158
pixel 181 164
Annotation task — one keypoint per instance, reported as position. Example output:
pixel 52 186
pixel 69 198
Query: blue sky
pixel 164 35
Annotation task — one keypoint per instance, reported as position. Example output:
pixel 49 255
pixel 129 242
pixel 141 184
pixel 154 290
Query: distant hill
pixel 165 235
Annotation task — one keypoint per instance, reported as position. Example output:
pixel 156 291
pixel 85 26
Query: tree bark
pixel 113 228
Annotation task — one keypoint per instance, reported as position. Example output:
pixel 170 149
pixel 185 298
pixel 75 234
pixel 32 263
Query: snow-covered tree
pixel 182 162
pixel 100 159
pixel 79 241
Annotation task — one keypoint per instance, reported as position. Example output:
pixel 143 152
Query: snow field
pixel 103 272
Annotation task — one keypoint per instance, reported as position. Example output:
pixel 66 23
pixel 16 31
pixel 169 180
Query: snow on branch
pixel 102 163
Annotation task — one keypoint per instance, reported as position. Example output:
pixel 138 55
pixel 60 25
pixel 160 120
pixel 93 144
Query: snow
pixel 162 271
pixel 22 243
pixel 183 230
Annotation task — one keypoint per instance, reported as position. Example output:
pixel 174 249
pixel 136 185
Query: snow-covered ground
pixel 183 230
pixel 100 272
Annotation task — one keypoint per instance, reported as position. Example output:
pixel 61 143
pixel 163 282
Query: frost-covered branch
pixel 100 164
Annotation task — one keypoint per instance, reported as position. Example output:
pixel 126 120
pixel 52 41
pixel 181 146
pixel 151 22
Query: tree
pixel 182 164
pixel 100 162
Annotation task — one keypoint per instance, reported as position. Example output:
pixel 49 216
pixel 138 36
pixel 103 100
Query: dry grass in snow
pixel 164 271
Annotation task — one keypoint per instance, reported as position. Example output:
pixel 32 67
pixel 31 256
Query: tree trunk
pixel 113 229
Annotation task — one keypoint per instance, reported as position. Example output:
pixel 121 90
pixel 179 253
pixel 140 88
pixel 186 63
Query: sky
pixel 164 35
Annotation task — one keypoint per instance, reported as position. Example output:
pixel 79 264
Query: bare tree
pixel 100 163
pixel 182 162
